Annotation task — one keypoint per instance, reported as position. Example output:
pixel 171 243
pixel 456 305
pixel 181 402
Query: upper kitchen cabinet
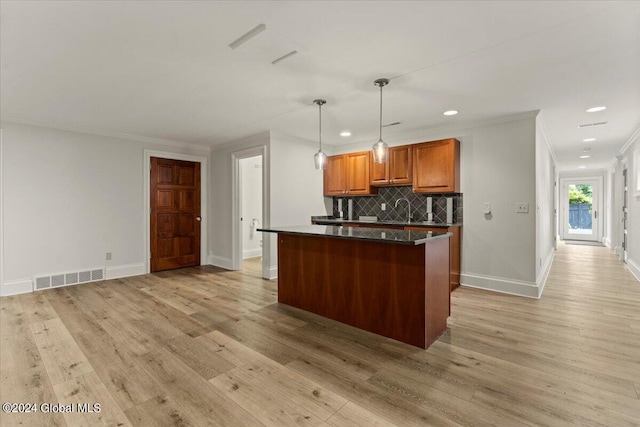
pixel 397 171
pixel 348 175
pixel 436 166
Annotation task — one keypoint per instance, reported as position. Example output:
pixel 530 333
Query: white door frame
pixel 598 222
pixel 236 207
pixel 204 224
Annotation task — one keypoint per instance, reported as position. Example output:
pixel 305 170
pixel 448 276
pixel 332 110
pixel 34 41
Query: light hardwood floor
pixel 204 346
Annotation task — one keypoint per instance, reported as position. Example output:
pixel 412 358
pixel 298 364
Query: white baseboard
pixel 220 262
pixel 634 268
pixel 499 284
pixel 125 270
pixel 270 273
pixel 16 287
pixel 544 272
pixel 607 242
pixel 252 253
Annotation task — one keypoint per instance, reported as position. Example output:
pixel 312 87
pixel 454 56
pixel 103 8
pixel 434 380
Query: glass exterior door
pixel 581 210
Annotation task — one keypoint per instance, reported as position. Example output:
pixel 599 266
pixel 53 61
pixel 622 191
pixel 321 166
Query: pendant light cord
pixel 380 139
pixel 320 127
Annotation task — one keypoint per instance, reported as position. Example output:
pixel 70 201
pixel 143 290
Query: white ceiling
pixel 161 69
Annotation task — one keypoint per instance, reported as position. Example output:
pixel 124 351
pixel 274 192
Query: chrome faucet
pixel 408 207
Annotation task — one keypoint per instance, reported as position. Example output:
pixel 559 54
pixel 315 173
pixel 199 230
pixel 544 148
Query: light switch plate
pixel 383 206
pixel 522 207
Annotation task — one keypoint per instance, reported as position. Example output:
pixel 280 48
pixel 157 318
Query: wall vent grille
pixel 57 280
pixel 70 278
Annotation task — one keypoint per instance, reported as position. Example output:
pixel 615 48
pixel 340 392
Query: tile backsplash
pixel 371 205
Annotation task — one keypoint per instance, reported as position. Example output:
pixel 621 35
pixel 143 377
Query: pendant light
pixel 380 148
pixel 320 159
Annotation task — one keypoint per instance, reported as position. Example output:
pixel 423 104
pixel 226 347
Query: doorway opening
pixel 625 198
pixel 582 209
pixel 250 191
pixel 251 211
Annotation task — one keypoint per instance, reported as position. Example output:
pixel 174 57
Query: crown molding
pixel 425 133
pixel 263 137
pixel 106 133
pixel 634 136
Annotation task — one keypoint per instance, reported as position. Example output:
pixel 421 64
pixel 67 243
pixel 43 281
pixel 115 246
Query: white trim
pixel 204 200
pixel 236 205
pixel 125 270
pixel 1 210
pixel 16 287
pixel 221 262
pixel 635 135
pixel 271 273
pixel 607 242
pixel 499 284
pixel 107 133
pixel 436 132
pixel 251 253
pixel 544 272
pixel 633 268
pixel 543 128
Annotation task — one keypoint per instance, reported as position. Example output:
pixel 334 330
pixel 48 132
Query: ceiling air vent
pixel 283 57
pixel 391 124
pixel 586 125
pixel 247 36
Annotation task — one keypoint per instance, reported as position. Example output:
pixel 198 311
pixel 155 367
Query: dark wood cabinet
pixel 436 166
pixel 454 250
pixel 398 170
pixel 348 175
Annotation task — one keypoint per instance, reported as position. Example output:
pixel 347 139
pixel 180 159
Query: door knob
pixel 198 219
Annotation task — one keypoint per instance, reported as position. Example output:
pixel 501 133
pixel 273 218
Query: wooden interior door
pixel 175 214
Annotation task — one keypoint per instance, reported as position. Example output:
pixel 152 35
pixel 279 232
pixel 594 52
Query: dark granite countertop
pixel 329 220
pixel 405 237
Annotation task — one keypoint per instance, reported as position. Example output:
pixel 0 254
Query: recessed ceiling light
pixel 585 156
pixel 588 140
pixel 450 112
pixel 582 167
pixel 595 109
pixel 345 133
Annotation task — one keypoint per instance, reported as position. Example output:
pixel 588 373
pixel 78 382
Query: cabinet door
pixel 436 167
pixel 358 173
pixel 379 171
pixel 401 165
pixel 335 176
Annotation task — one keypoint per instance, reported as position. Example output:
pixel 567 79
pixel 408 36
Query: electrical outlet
pixel 108 257
pixel 383 206
pixel 522 207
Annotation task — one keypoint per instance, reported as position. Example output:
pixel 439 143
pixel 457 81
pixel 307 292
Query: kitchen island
pixel 393 283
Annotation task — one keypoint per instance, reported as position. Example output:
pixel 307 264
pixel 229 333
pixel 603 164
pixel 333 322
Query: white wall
pixel 294 193
pixel 497 166
pixel 251 177
pixel 629 151
pixel 69 198
pixel 545 204
pixel 222 246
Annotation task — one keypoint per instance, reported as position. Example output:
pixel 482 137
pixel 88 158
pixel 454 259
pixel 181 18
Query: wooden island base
pixel 395 290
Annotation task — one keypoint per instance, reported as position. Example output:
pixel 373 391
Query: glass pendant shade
pixel 380 152
pixel 320 159
pixel 380 148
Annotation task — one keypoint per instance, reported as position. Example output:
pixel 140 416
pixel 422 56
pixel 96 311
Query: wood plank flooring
pixel 205 346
